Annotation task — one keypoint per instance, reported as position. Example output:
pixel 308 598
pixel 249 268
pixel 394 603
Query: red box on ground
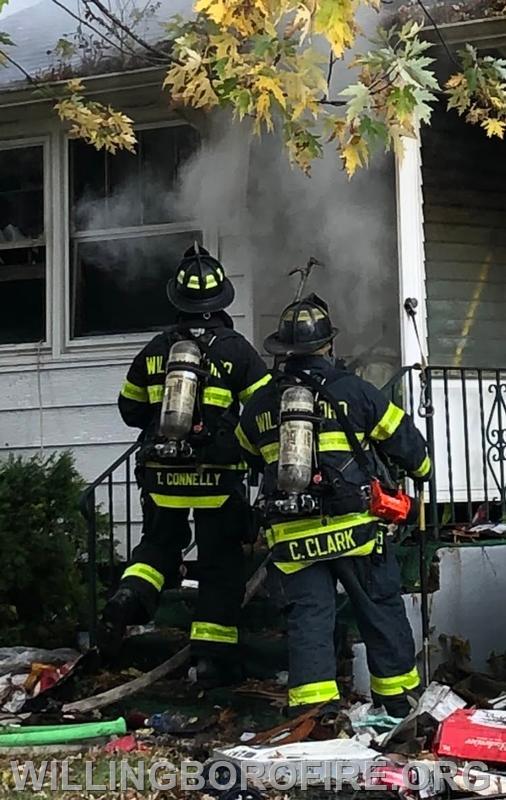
pixel 474 734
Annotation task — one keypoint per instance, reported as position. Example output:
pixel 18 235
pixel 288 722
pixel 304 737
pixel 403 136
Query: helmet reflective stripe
pixel 199 283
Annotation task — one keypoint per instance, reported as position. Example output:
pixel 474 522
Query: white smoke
pixel 278 217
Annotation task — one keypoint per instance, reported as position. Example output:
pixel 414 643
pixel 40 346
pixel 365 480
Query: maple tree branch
pixel 16 64
pixel 438 33
pixel 96 30
pixel 123 47
pixel 332 61
pixel 326 102
pixel 163 57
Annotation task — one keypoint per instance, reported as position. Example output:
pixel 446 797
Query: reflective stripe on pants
pixel 211 632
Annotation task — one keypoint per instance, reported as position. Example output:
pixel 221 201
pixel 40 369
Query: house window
pixel 128 233
pixel 22 245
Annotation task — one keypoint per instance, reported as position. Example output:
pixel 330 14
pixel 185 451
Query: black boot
pixel 124 608
pixel 327 713
pixel 397 706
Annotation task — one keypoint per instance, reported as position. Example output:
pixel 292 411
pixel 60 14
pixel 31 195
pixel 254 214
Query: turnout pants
pixel 156 561
pixel 373 587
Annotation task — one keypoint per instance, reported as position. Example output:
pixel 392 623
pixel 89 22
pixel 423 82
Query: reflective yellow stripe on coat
pixel 245 395
pixel 215 396
pixel 187 501
pixel 133 392
pixel 245 442
pixel 424 468
pixel 388 423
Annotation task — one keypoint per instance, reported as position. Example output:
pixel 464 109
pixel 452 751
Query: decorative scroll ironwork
pixel 496 437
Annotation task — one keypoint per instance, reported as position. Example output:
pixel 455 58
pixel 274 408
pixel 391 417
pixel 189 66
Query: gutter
pixel 143 78
pixel 485 33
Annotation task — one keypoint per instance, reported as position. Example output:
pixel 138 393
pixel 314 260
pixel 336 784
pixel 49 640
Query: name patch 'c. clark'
pixel 188 478
pixel 320 546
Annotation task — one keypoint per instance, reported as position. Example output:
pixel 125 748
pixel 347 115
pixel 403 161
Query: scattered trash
pixel 436 704
pixel 20 659
pixel 139 630
pixel 318 760
pixel 364 717
pixel 282 677
pixel 24 677
pixel 498 702
pixel 189 584
pixel 478 735
pixel 125 744
pixel 179 724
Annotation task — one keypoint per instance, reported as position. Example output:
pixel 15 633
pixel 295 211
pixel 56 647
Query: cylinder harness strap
pixel 391 505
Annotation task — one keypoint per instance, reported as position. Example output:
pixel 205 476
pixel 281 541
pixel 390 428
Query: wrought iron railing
pixel 466 437
pixel 122 467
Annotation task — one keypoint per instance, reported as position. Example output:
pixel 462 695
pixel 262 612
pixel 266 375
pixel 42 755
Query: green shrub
pixel 43 546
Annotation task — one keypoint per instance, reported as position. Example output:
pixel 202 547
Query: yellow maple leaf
pixel 494 127
pixel 454 81
pixel 354 154
pixel 215 9
pixel 266 84
pixel 199 92
pixel 336 21
pixel 263 113
pixel 75 85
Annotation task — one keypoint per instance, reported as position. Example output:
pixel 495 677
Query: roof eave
pixel 95 84
pixel 487 33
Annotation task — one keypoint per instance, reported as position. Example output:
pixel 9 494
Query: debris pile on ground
pixel 410 756
pixel 460 718
pixel 26 673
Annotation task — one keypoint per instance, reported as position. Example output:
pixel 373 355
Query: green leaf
pixel 375 131
pixel 6 39
pixel 360 99
pixel 423 110
pixel 403 98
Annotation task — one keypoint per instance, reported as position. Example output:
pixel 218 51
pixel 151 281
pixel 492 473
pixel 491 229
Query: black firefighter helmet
pixel 304 327
pixel 199 284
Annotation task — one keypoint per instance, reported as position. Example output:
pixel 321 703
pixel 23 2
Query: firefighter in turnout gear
pixel 183 390
pixel 302 431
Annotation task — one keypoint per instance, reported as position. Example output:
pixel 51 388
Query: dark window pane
pixel 21 194
pixel 22 295
pixel 118 286
pixel 164 151
pixel 22 254
pixel 465 243
pixel 126 189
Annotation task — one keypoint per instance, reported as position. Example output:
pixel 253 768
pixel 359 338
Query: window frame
pixel 117 343
pixel 37 348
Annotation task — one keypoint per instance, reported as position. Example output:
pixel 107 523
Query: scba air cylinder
pixel 295 440
pixel 180 390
